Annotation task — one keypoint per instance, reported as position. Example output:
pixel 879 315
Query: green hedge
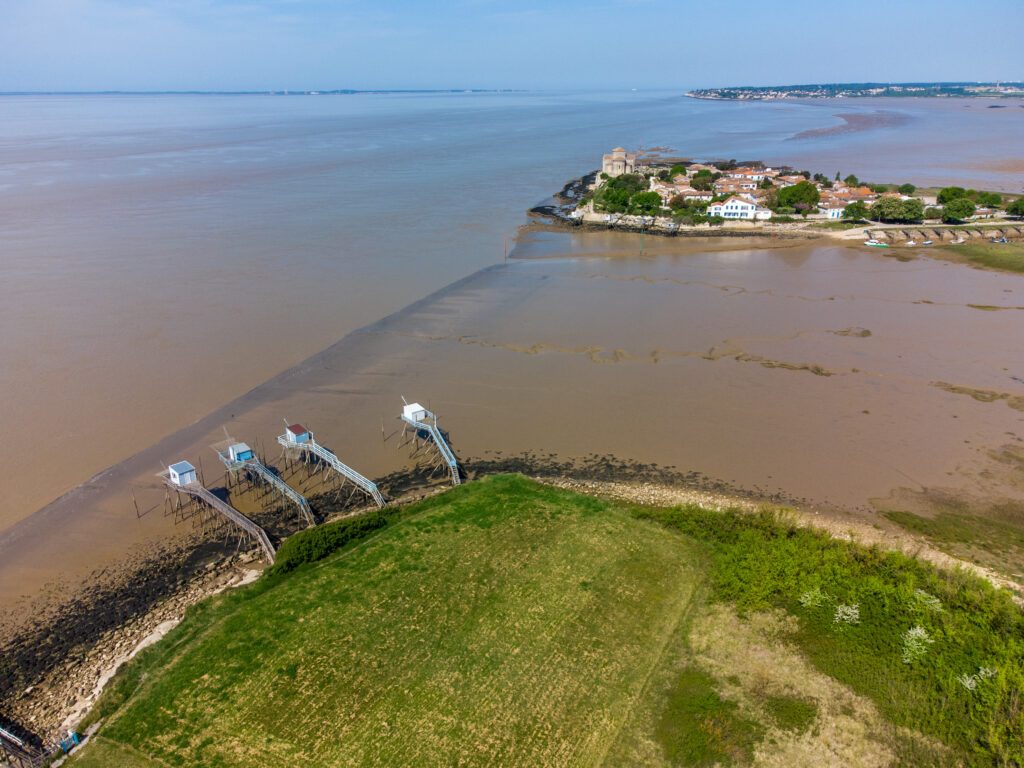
pixel 317 543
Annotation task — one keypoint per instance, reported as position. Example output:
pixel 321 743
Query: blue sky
pixel 317 44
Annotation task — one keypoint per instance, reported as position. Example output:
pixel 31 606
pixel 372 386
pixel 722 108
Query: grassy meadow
pixel 509 623
pixel 1006 257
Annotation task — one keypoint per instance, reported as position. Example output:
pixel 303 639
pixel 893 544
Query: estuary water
pixel 161 256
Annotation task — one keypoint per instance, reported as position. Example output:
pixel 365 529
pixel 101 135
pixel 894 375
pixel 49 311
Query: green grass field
pixel 1007 257
pixel 509 623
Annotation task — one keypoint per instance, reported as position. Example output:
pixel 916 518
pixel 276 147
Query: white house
pixel 241 452
pixel 416 412
pixel 181 473
pixel 738 208
pixel 296 433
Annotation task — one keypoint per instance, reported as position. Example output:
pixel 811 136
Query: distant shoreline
pixel 861 90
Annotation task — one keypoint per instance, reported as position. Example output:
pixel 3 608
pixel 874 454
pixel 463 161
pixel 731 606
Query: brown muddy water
pixel 160 256
pixel 831 375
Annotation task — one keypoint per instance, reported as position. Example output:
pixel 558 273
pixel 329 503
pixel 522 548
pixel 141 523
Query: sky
pixel 76 45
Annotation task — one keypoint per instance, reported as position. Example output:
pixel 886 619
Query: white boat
pixel 927 242
pixel 910 243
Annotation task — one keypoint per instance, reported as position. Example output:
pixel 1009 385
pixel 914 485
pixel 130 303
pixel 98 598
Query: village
pixel 632 192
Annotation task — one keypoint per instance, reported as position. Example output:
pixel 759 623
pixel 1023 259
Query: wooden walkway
pixel 255 532
pixel 314 448
pixel 447 454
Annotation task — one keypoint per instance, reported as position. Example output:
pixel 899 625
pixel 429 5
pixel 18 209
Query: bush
pixel 1016 208
pixel 947 194
pixel 957 210
pixel 906 189
pixel 645 203
pixel 855 211
pixel 317 543
pixel 803 196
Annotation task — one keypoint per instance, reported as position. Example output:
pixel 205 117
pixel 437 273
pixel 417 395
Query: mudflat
pixel 826 375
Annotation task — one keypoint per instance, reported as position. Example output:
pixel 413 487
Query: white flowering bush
pixel 970 682
pixel 929 601
pixel 847 614
pixel 915 643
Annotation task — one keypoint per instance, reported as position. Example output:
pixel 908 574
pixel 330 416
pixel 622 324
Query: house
pixel 416 412
pixel 695 194
pixel 789 180
pixel 738 208
pixel 668 191
pixel 752 174
pixel 618 162
pixel 695 168
pixel 181 473
pixel 298 434
pixel 728 186
pixel 241 452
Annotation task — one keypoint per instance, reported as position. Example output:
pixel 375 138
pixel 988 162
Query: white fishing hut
pixel 181 473
pixel 297 434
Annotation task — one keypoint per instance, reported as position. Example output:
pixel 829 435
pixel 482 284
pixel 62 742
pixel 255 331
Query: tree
pixel 676 171
pixel 613 196
pixel 894 209
pixel 957 210
pixel 1016 208
pixel 703 183
pixel 645 203
pixel 907 189
pixel 802 197
pixel 933 213
pixel 951 193
pixel 912 209
pixel 856 211
pixel 852 181
pixel 989 199
pixel 766 183
pixel 679 202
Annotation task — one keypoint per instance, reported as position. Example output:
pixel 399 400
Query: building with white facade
pixel 738 208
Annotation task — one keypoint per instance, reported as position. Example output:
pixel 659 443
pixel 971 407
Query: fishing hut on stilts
pixel 426 433
pixel 242 463
pixel 192 498
pixel 299 442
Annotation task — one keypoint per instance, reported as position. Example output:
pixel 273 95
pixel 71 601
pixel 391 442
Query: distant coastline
pixel 279 92
pixel 860 90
